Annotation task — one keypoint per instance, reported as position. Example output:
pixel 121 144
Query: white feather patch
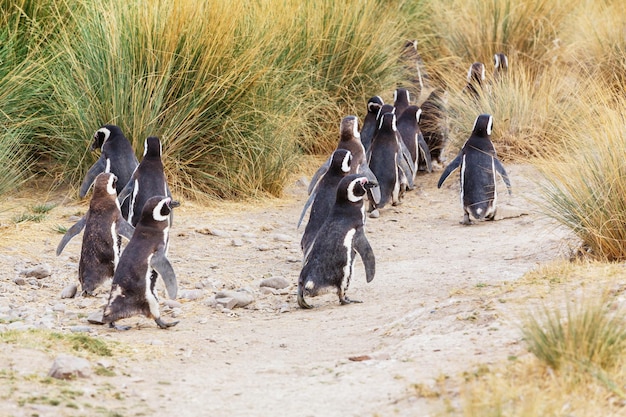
pixel 153 303
pixel 110 189
pixel 347 269
pixel 107 134
pixel 156 213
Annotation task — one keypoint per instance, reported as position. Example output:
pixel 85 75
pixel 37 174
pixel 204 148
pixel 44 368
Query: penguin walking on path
pixel 433 123
pixel 117 157
pixel 478 166
pixel 411 134
pixel 323 196
pixel 369 122
pixel 133 290
pixel 147 181
pixel 103 224
pixel 330 260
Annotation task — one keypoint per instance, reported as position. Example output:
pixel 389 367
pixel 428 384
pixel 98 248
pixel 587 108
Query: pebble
pixel 226 302
pixel 70 367
pixel 279 237
pixel 39 272
pixel 172 303
pixel 242 298
pixel 96 317
pixel 69 291
pixel 268 290
pixel 81 329
pixel 237 243
pixel 155 342
pixel 284 308
pixel 264 248
pixel 60 307
pixel 19 281
pixel 275 282
pixel 191 294
pixel 215 232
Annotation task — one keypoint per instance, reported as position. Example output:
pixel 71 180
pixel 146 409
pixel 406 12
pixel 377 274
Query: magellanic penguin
pixel 383 160
pixel 500 66
pixel 401 100
pixel 117 157
pixel 133 290
pixel 147 181
pixel 369 123
pixel 415 67
pixel 323 196
pixel 330 260
pixel 350 139
pixel 479 164
pixel 434 124
pixel 103 224
pixel 475 80
pixel 411 134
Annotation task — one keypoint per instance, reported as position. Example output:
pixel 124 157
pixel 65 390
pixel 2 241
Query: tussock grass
pixel 54 340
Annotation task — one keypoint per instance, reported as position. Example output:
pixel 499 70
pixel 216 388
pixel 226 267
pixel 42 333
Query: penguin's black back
pixel 383 154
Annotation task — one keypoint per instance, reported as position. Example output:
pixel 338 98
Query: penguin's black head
pixel 374 104
pixel 152 147
pixel 341 160
pixel 412 111
pixel 483 126
pixel 500 62
pixel 105 184
pixel 104 134
pixel 387 121
pixel 352 188
pixel 476 73
pixel 157 208
pixel 401 95
pixel 385 108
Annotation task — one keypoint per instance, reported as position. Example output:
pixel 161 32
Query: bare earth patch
pixel 442 303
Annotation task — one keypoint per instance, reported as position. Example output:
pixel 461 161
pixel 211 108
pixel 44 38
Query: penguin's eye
pixel 165 210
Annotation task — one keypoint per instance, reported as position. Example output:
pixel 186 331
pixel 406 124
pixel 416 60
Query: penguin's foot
pixel 346 300
pixel 118 327
pixel 301 302
pixel 466 220
pixel 164 325
pixel 397 203
pixel 86 293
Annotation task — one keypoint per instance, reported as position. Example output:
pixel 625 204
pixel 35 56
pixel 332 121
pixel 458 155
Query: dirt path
pixel 434 309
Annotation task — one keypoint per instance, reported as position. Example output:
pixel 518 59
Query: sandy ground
pixel 441 304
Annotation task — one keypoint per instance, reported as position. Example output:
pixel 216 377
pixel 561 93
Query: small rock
pixel 285 308
pixel 268 290
pixel 226 302
pixel 279 237
pixel 191 294
pixel 264 248
pixel 39 272
pixel 70 367
pixel 172 303
pixel 237 243
pixel 242 298
pixel 248 235
pixel 275 282
pixel 214 232
pixel 19 281
pixel 155 342
pixel 81 329
pixel 96 317
pixel 59 307
pixel 294 259
pixel 69 291
pixel 211 301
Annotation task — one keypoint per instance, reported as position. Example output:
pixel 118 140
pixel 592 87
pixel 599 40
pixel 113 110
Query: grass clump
pixel 54 340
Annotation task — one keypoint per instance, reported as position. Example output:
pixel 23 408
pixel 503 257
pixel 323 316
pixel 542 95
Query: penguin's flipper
pixel 502 172
pixel 123 228
pixel 90 177
pixel 451 167
pixel 71 232
pixel 371 178
pixel 425 151
pixel 362 246
pixel 319 174
pixel 160 264
pixel 126 191
pixel 307 205
pixel 407 168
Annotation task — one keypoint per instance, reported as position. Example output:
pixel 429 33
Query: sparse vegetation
pixel 48 339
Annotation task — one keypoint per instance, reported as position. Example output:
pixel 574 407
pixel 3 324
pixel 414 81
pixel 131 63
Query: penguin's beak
pixel 174 203
pixel 369 185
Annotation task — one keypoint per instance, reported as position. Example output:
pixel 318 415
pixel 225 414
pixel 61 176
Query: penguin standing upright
pixel 401 100
pixel 500 66
pixel 147 181
pixel 415 67
pixel 383 160
pixel 434 123
pixel 369 123
pixel 117 157
pixel 350 139
pixel 133 290
pixel 475 79
pixel 103 224
pixel 323 196
pixel 330 260
pixel 479 164
pixel 412 137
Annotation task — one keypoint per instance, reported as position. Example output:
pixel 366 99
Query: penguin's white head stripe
pixel 107 168
pixel 145 147
pixel 351 196
pixel 482 72
pixel 106 132
pixel 418 114
pixel 111 184
pixel 345 164
pixel 393 123
pixel 490 125
pixel 355 129
pixel 469 73
pixel 374 105
pixel 156 212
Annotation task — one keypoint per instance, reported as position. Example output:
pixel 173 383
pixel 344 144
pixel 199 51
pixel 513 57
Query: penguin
pixel 117 150
pixel 434 124
pixel 369 123
pixel 401 100
pixel 133 290
pixel 415 67
pixel 412 137
pixel 147 181
pixel 500 66
pixel 323 197
pixel 475 79
pixel 383 161
pixel 330 260
pixel 350 139
pixel 479 164
pixel 103 224
pixel 404 156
